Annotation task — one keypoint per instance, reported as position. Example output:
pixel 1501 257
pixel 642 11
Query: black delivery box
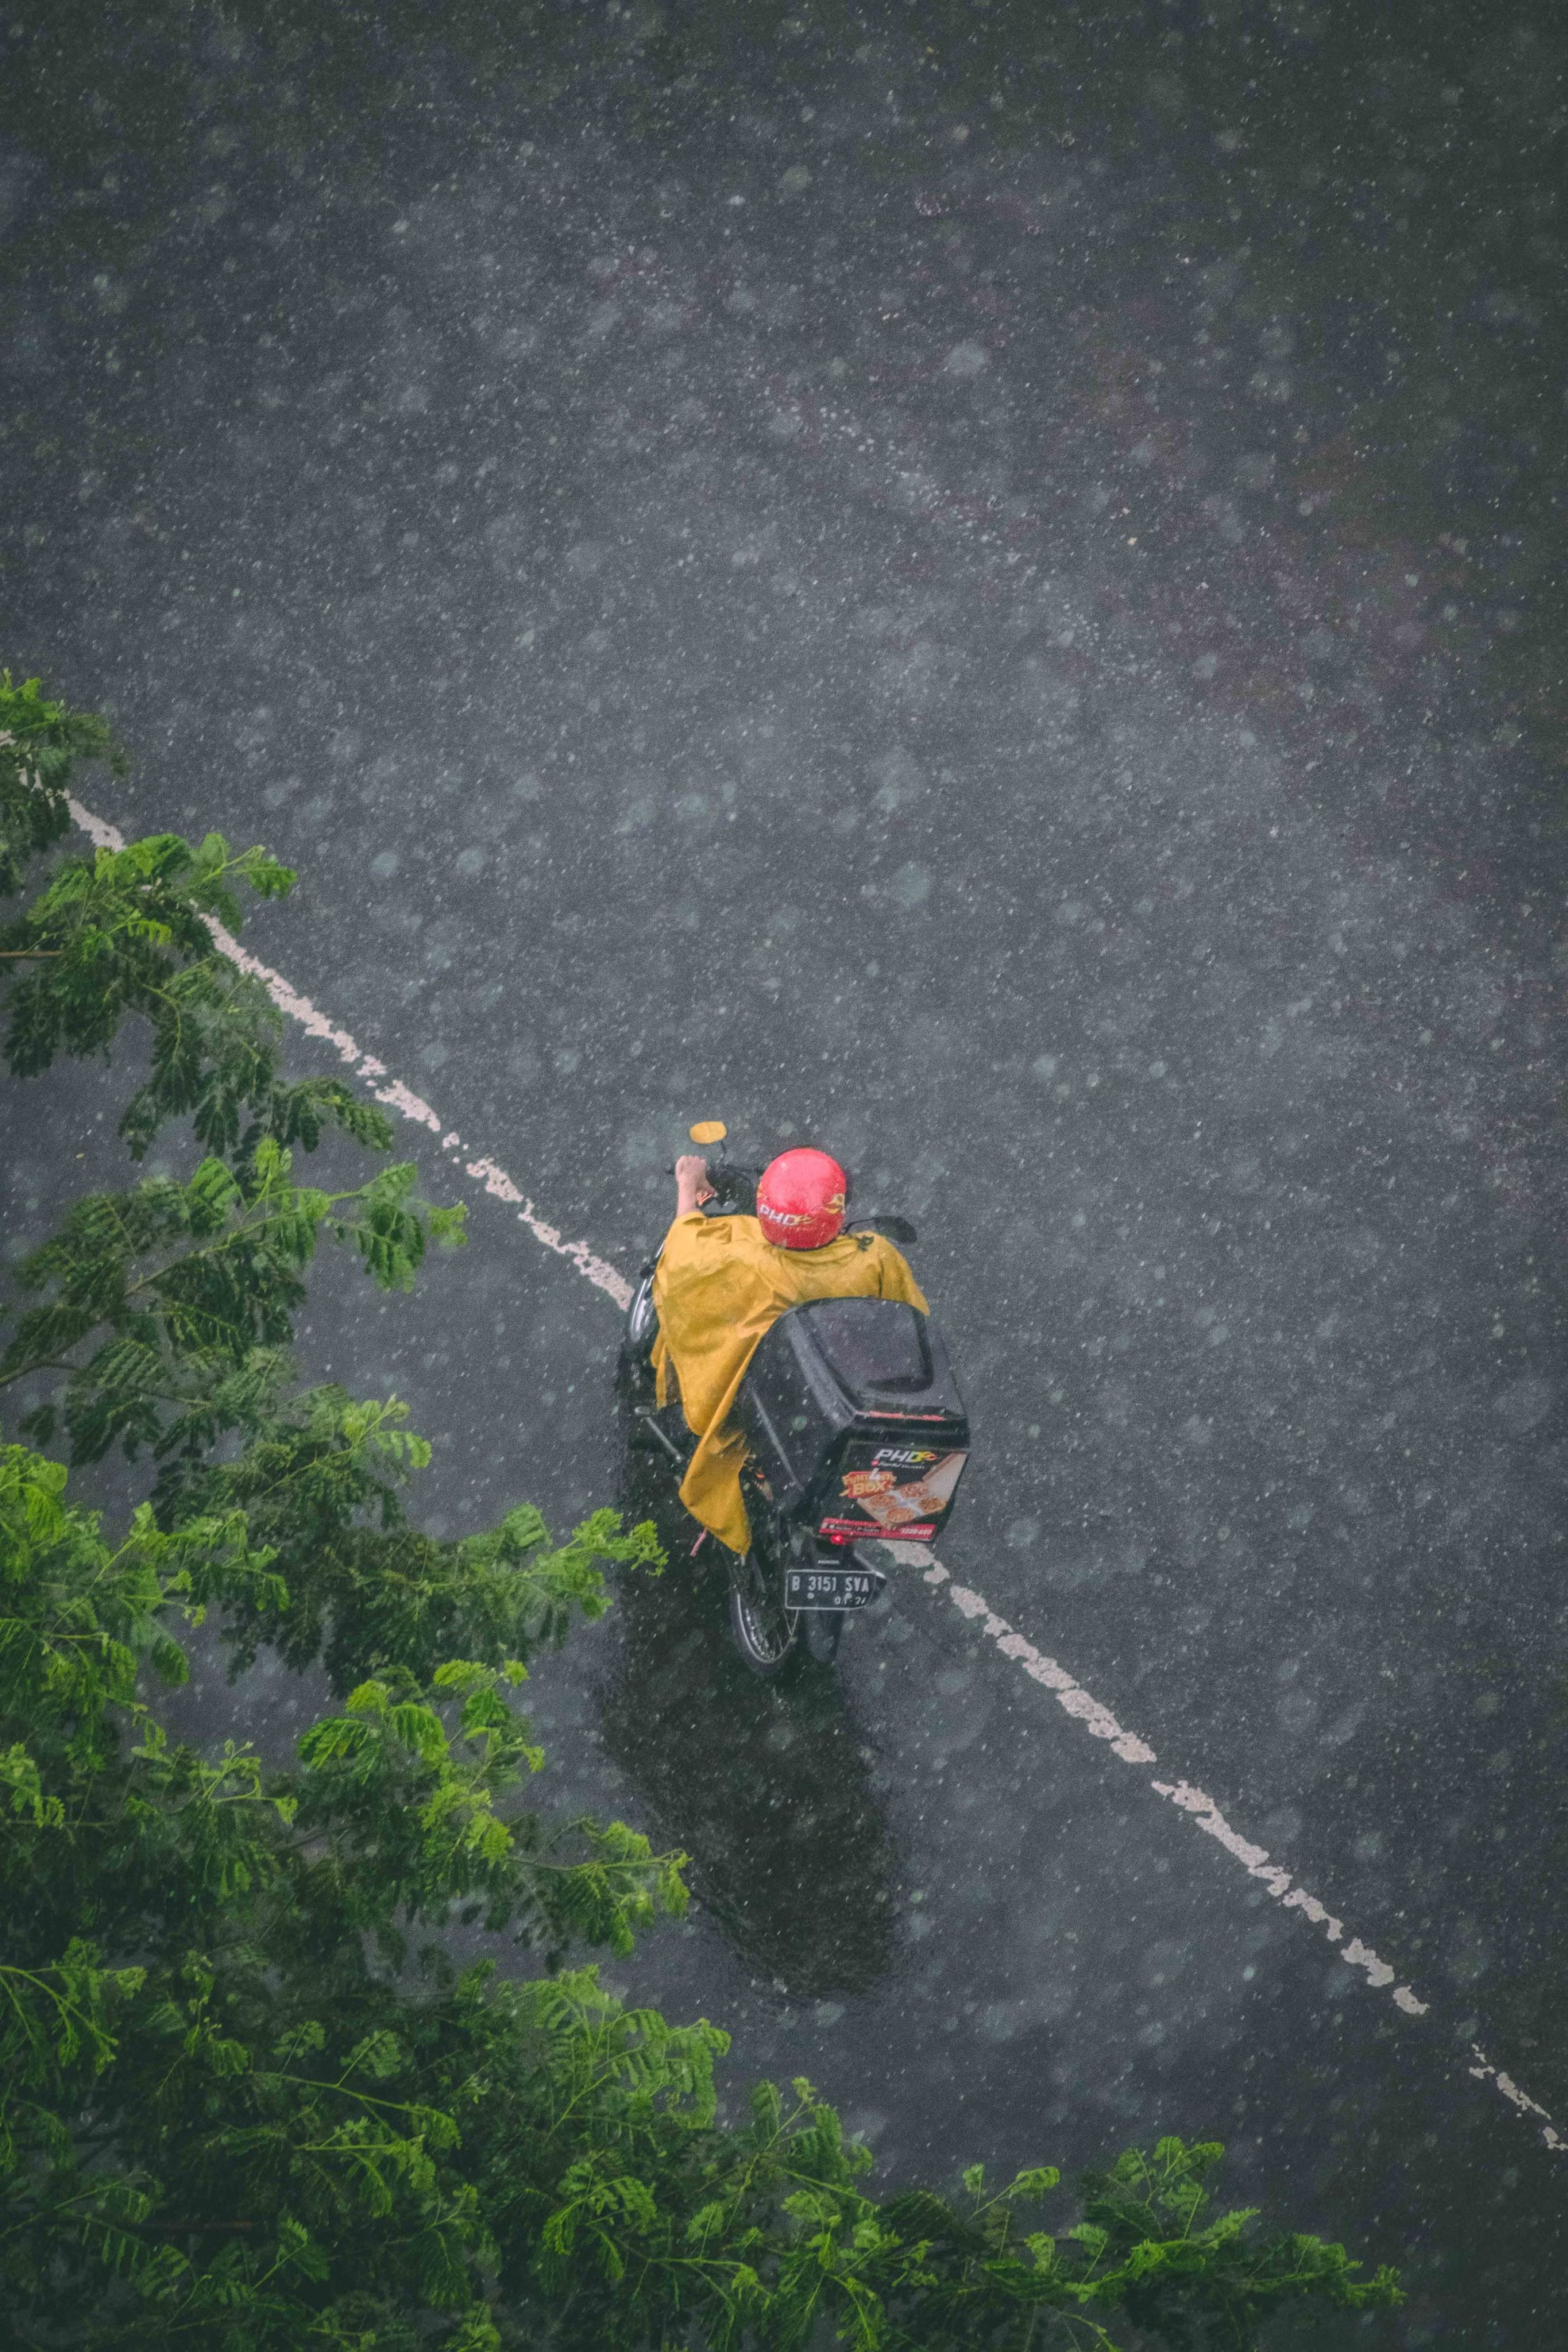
pixel 855 1419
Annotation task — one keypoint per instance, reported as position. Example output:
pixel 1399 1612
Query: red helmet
pixel 800 1200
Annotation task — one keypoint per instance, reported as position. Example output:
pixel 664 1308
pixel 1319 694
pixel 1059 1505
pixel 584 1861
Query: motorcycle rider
pixel 722 1281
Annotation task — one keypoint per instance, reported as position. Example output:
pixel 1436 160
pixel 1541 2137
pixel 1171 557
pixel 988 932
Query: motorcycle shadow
pixel 763 1784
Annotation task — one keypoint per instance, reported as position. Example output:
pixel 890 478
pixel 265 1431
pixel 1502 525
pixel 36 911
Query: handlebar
pixel 735 1188
pixel 735 1193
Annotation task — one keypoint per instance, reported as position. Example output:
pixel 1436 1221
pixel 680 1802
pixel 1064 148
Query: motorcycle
pixel 856 1433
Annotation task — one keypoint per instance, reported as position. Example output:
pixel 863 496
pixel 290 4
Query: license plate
pixel 831 1588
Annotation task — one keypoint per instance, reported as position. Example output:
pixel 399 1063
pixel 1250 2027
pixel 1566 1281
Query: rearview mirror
pixel 895 1229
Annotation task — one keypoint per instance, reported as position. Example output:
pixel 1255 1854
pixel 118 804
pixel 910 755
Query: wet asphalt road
pixel 726 630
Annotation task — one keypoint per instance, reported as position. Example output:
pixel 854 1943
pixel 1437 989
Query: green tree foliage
pixel 153 1303
pixel 130 931
pixel 321 1484
pixel 39 739
pixel 249 2098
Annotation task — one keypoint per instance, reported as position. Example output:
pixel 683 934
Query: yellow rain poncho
pixel 719 1286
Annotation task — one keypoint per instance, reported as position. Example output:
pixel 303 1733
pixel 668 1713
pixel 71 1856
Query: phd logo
pixel 906 1459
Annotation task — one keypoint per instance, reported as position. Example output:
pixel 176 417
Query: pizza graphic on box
pixel 898 1491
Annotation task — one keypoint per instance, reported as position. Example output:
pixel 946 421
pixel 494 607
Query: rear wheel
pixel 765 1631
pixel 819 1631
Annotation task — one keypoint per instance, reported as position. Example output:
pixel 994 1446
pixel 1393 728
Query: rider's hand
pixel 691 1185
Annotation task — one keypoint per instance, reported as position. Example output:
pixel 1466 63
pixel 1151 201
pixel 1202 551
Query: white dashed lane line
pixel 1068 1693
pixel 1100 1724
pixel 386 1089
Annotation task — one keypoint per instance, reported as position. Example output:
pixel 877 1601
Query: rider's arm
pixel 691 1185
pixel 895 1278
